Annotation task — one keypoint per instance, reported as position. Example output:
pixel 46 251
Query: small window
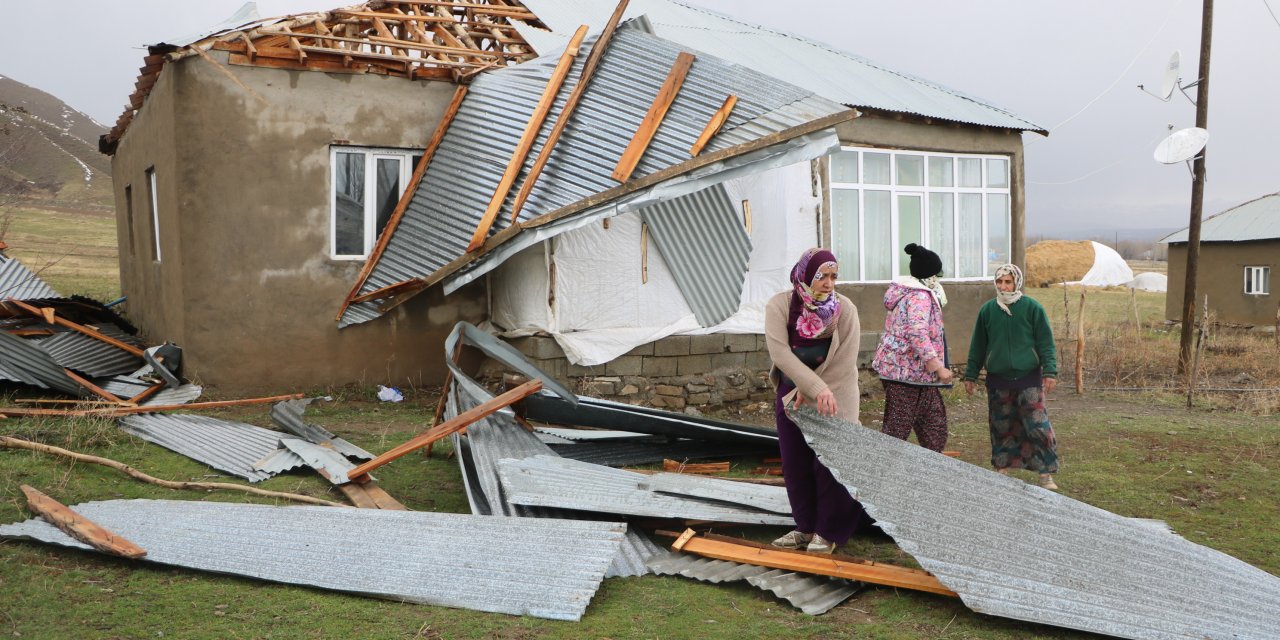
pixel 154 205
pixel 366 186
pixel 128 218
pixel 1257 281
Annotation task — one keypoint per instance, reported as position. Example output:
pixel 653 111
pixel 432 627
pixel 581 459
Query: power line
pixel 1273 14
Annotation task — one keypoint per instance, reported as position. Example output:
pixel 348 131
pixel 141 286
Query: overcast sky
pixel 1071 66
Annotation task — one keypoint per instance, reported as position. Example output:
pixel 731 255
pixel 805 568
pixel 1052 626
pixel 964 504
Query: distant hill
pixel 50 152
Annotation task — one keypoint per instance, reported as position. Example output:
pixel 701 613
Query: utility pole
pixel 1197 195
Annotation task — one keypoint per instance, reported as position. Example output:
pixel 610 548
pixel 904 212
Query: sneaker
pixel 1003 472
pixel 793 540
pixel 1047 482
pixel 820 544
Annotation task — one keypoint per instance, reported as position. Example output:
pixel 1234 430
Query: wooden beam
pixel 394 221
pixel 746 552
pixel 531 128
pixel 19 412
pixel 562 121
pixel 447 427
pixel 653 119
pixel 146 393
pixel 75 327
pixel 79 527
pixel 713 126
pixel 93 388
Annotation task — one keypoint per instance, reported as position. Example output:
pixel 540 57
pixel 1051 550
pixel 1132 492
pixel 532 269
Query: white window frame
pixel 153 193
pixel 924 191
pixel 371 157
pixel 1257 281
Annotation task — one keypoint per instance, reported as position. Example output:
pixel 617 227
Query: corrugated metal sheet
pixel 519 566
pixel 1015 550
pixel 1254 220
pixel 128 387
pixel 594 412
pixel 458 184
pixel 837 75
pixel 704 243
pixel 17 281
pixel 624 454
pixel 550 481
pixel 233 447
pixel 334 465
pixel 759 496
pixel 592 435
pixel 288 416
pixel 25 362
pixel 87 355
pixel 814 595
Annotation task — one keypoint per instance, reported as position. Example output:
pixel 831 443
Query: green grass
pixel 1214 479
pixel 73 251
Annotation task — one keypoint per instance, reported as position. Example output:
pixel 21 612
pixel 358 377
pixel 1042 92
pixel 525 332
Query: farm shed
pixel 1239 252
pixel 257 167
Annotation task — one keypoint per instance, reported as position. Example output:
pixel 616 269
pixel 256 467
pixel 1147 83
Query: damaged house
pixel 319 198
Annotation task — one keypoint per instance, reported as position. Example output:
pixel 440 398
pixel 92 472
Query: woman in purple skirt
pixel 812 333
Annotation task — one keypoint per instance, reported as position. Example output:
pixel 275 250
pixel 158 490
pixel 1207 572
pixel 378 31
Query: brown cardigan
pixel 839 372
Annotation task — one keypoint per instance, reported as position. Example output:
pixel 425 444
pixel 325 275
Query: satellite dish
pixel 1170 81
pixel 1181 145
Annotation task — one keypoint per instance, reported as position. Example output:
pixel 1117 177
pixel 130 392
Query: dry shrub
pixel 1053 261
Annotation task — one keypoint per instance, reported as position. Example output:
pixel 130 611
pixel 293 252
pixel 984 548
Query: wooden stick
pixel 217 65
pixel 444 394
pixel 588 68
pixel 531 129
pixel 75 327
pixel 80 527
pixel 644 253
pixel 653 119
pixel 1133 299
pixel 704 468
pixel 146 393
pixel 722 548
pixel 713 126
pixel 448 427
pixel 746 215
pixel 394 220
pixel 18 412
pixel 1195 358
pixel 95 389
pixel 1080 346
pixel 15 443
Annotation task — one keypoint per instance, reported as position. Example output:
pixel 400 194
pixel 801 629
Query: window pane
pixel 940 171
pixel 1248 279
pixel 909 228
pixel 875 168
pixel 844 228
pixel 970 232
pixel 348 204
pixel 970 172
pixel 942 232
pixel 388 191
pixel 910 171
pixel 878 243
pixel 997 231
pixel 997 173
pixel 844 168
pixel 1266 281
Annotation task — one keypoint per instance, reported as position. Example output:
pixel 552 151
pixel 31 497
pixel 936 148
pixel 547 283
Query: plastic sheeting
pixel 1108 269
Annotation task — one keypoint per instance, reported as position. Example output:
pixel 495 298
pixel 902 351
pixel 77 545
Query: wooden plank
pixel 19 412
pixel 588 68
pixel 357 495
pixel 722 548
pixel 444 392
pixel 653 119
pixel 713 126
pixel 93 388
pixel 394 221
pixel 79 527
pixel 446 428
pixel 275 62
pixel 146 393
pixel 51 319
pixel 705 468
pixel 391 41
pixel 531 128
pixel 381 498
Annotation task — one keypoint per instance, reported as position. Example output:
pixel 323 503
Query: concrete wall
pixel 246 286
pixel 1220 274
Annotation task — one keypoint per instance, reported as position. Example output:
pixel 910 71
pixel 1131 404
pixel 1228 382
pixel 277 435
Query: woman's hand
pixel 969 386
pixel 944 375
pixel 1050 384
pixel 827 403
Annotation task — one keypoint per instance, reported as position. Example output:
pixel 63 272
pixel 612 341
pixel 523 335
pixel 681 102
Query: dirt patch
pixel 1053 261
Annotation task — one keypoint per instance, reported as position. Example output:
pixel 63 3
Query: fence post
pixel 1195 358
pixel 1080 345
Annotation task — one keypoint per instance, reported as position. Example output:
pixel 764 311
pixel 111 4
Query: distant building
pixel 1239 255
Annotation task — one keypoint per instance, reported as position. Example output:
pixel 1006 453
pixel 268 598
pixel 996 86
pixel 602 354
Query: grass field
pixel 73 251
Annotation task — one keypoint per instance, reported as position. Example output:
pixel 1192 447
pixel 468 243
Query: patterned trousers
pixel 908 407
pixel 1021 436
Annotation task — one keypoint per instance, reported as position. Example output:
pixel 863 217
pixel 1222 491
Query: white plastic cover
pixel 1108 269
pixel 1148 281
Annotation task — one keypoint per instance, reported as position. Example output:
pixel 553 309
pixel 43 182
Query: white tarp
pixel 1148 281
pixel 601 308
pixel 1108 269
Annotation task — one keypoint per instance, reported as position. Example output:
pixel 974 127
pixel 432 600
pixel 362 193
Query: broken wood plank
pixel 527 137
pixel 447 427
pixel 747 552
pixel 93 388
pixel 653 119
pixel 705 468
pixel 79 527
pixel 394 221
pixel 713 126
pixel 584 78
pixel 147 393
pixel 39 313
pixel 444 393
pixel 381 498
pixel 18 412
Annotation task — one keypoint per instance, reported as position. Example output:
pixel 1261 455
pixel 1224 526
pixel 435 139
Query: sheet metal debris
pixel 1015 550
pixel 624 454
pixel 593 412
pixel 233 447
pixel 758 496
pixel 814 595
pixel 91 357
pixel 288 416
pixel 17 281
pixel 128 387
pixel 25 362
pixel 519 566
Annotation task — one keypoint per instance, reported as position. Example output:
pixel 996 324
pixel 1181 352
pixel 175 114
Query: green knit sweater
pixel 1012 346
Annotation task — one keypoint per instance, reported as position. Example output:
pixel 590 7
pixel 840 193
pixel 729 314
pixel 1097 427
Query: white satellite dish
pixel 1181 145
pixel 1170 81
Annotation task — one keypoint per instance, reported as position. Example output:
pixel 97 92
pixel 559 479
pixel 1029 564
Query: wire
pixel 1273 14
pixel 1096 171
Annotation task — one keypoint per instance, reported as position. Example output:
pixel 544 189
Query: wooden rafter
pixel 653 119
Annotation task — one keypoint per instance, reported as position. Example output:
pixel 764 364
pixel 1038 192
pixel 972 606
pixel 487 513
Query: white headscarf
pixel 1006 298
pixel 932 284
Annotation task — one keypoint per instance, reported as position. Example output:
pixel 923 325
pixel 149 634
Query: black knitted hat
pixel 924 263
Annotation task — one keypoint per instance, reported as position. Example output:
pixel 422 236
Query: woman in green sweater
pixel 1012 340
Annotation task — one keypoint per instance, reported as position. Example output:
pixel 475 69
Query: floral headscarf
pixel 812 313
pixel 1006 298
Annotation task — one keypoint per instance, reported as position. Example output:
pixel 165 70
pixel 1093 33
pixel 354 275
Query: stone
pixel 690 411
pixel 670 402
pixel 728 361
pixel 625 366
pixel 710 343
pixel 660 367
pixel 579 371
pixel 697 388
pixel 538 347
pixel 699 398
pixel 628 390
pixel 740 342
pixel 668 390
pixel 732 395
pixel 758 361
pixel 645 349
pixel 693 364
pixel 600 387
pixel 737 378
pixel 672 346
